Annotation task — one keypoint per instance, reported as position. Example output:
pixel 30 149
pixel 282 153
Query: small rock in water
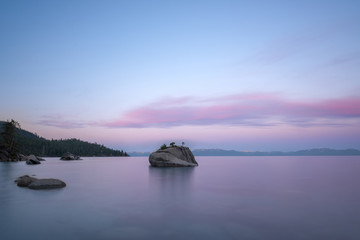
pixel 32 160
pixel 35 183
pixel 48 183
pixel 69 156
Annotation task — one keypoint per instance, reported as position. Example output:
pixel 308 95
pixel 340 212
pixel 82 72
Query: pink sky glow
pixel 251 122
pixel 249 110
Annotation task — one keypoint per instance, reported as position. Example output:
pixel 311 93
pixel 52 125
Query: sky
pixel 132 75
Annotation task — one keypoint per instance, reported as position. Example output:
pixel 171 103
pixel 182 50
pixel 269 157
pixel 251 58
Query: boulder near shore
pixel 69 156
pixel 33 160
pixel 174 156
pixel 35 183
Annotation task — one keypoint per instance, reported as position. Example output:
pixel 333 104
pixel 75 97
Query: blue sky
pixel 135 74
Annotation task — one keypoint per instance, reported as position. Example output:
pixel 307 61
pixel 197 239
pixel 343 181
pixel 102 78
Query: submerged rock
pixel 175 156
pixel 34 183
pixel 69 156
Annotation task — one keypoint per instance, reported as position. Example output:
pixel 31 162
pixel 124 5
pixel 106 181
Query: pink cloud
pixel 252 110
pixel 241 109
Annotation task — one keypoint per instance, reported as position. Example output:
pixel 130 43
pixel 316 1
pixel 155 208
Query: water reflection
pixel 172 182
pixel 6 181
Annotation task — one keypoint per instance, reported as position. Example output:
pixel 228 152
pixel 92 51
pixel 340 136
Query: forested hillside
pixel 29 143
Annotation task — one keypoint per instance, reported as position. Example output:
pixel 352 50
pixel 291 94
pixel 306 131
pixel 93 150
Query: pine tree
pixel 8 134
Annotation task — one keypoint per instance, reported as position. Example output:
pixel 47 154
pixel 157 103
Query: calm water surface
pixel 224 198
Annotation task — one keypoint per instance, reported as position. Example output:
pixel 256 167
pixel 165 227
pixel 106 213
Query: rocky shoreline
pixel 31 159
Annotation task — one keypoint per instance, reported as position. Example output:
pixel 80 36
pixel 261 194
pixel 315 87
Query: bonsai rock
pixel 173 156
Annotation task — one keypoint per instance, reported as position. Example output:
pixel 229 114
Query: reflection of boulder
pixel 34 183
pixel 69 156
pixel 173 157
pixel 170 183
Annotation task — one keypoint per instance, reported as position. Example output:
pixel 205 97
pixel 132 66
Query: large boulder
pixel 69 156
pixel 175 156
pixel 32 160
pixel 34 183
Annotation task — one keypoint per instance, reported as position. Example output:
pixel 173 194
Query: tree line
pixel 16 140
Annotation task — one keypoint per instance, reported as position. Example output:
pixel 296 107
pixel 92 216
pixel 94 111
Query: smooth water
pixel 224 198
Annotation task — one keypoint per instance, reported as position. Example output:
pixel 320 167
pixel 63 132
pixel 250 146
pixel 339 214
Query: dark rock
pixel 69 156
pixel 48 183
pixel 32 160
pixel 173 157
pixel 25 180
pixel 34 183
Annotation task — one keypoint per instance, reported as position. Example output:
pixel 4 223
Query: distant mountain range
pixel 30 143
pixel 309 152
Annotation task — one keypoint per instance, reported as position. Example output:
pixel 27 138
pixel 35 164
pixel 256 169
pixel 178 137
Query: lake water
pixel 224 198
